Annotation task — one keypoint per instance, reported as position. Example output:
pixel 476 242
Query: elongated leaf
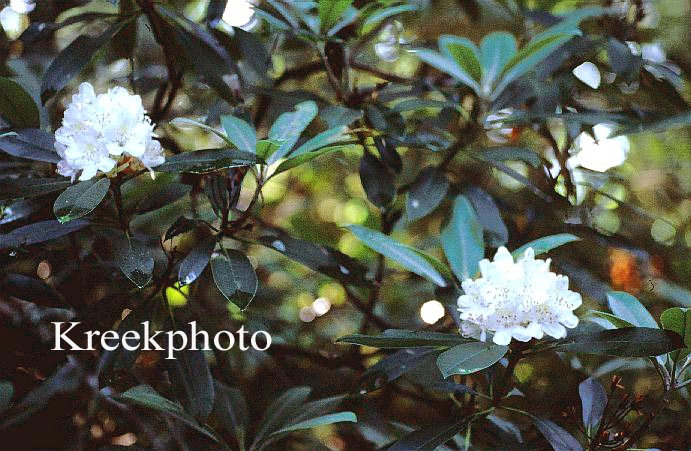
pixel 394 338
pixel 384 13
pixel 468 358
pixel 430 437
pixel 32 144
pixel 317 257
pixel 324 139
pixel 16 105
pixel 6 394
pixel 628 308
pixel 496 50
pixel 377 181
pixel 289 126
pixel 136 261
pixel 448 66
pixel 330 12
pixel 545 244
pixel 240 133
pixel 426 193
pixel 31 289
pixel 145 396
pixel 280 412
pixel 462 239
pixel 559 438
pixel 489 216
pixel 196 261
pixel 295 161
pixel 528 57
pixel 394 366
pixel 81 199
pixel 235 277
pixel 464 52
pixel 204 161
pixel 339 417
pixel 39 232
pixel 230 410
pixel 191 378
pixel 625 342
pixel 183 121
pixel 614 320
pixel 73 59
pixel 11 189
pixel 509 154
pixel 406 256
pixel 593 402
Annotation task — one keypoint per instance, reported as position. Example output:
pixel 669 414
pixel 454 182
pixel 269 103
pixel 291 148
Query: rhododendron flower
pixel 520 300
pixel 100 131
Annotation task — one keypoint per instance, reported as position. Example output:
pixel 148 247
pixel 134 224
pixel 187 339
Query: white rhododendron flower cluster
pixel 100 131
pixel 520 300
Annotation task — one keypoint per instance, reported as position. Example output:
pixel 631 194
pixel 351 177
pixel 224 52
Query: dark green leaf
pixel 411 259
pixel 462 239
pixel 230 410
pixel 136 261
pixel 145 396
pixel 6 394
pixel 488 215
pixel 324 139
pixel 559 438
pixel 625 342
pixel 430 437
pixel 73 59
pixel 317 257
pixel 32 290
pixel 464 52
pixel 614 320
pixel 295 161
pixel 376 180
pixel 191 379
pixel 39 232
pixel 678 320
pixel 593 402
pixel 11 188
pixel 323 420
pixel 509 154
pixel 16 105
pixel 628 308
pixel 546 244
pixel 468 358
pixel 395 338
pixel 426 193
pixel 196 261
pixel 210 160
pixel 234 277
pixel 394 366
pixel 281 412
pixel 448 66
pixel 81 199
pixel 32 144
pixel 496 50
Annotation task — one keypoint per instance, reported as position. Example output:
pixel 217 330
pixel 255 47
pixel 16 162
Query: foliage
pixel 330 168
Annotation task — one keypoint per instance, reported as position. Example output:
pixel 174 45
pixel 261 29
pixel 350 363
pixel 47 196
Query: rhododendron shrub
pixel 345 225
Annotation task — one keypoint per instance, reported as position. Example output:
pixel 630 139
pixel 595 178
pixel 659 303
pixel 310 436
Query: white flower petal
pixel 588 73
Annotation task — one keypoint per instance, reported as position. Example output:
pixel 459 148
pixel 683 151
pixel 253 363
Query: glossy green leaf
pixel 430 437
pixel 295 161
pixel 625 342
pixel 628 308
pixel 426 193
pixel 280 412
pixel 266 148
pixel 614 320
pixel 339 417
pixel 448 66
pixel 593 402
pixel 73 59
pixel 324 139
pixel 289 126
pixel 16 105
pixel 81 199
pixel 196 261
pixel 30 143
pixel 240 133
pixel 136 261
pixel 464 52
pixel 508 154
pixel 39 232
pixel 210 160
pixel 468 358
pixel 558 437
pixel 190 377
pixel 145 396
pixel 409 258
pixel 234 277
pixel 545 244
pixel 496 50
pixel 377 181
pixel 184 121
pixel 395 338
pixel 462 239
pixel 11 188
